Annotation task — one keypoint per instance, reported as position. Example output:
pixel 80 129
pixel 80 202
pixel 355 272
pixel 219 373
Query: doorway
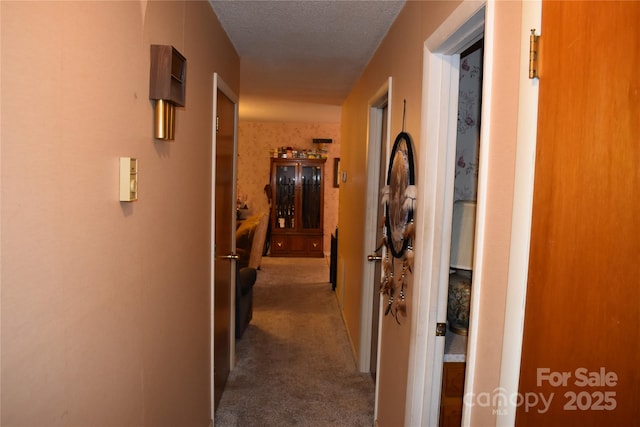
pixel 379 138
pixel 461 241
pixel 223 215
pixel 460 30
pixel 383 113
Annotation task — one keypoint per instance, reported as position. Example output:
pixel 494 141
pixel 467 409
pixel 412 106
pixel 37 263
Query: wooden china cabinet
pixel 298 205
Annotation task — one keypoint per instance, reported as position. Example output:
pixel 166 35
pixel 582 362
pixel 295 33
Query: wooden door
pixel 581 331
pixel 224 235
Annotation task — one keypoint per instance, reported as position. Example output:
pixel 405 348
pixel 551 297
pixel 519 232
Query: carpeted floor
pixel 294 363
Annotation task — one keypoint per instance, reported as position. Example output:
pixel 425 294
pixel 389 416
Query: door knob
pixel 374 257
pixel 230 256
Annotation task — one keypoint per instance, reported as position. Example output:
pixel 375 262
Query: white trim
pixel 212 253
pixel 481 206
pixel 521 218
pixel 226 89
pixel 218 83
pixel 459 30
pixel 438 135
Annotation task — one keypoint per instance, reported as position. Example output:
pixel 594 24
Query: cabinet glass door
pixel 285 197
pixel 311 196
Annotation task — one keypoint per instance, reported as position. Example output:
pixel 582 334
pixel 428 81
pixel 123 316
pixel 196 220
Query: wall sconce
pixel 167 83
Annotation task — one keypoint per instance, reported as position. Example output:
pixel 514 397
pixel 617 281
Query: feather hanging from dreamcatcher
pixel 409 256
pixel 402 305
pixel 410 195
pixel 384 195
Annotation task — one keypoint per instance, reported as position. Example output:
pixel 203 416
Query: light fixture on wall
pixel 461 262
pixel 167 83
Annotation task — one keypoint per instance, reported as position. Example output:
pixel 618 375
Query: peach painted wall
pixel 105 305
pixel 400 56
pixel 255 139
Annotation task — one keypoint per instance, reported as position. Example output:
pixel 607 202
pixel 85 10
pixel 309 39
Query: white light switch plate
pixel 128 179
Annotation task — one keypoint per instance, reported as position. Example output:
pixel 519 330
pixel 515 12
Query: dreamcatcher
pixel 398 198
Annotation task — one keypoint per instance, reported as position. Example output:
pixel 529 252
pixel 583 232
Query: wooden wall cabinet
pixel 168 74
pixel 297 207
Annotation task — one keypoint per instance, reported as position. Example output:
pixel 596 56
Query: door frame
pixel 219 84
pixel 421 398
pixel 441 60
pixel 527 132
pixel 381 98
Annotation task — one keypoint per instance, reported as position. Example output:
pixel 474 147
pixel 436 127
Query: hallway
pixel 294 365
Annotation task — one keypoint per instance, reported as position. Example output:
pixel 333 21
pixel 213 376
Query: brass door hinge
pixel 217 124
pixel 534 55
pixel 441 329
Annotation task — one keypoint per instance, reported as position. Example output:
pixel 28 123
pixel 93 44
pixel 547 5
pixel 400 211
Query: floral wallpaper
pixel 256 139
pixel 468 140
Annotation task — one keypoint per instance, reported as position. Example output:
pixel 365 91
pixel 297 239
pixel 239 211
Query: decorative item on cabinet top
pixel 295 153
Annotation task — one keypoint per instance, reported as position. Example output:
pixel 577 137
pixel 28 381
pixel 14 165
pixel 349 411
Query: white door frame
pixel 435 203
pixel 218 83
pixel 521 218
pixel 423 390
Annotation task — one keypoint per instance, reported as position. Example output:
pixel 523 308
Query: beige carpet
pixel 294 363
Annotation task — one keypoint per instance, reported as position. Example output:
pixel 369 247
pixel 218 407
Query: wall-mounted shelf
pixel 168 74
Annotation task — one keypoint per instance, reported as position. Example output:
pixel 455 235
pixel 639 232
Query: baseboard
pixel 354 353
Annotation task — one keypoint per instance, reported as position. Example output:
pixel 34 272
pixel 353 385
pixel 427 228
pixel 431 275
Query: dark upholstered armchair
pixel 249 243
pixel 250 237
pixel 245 279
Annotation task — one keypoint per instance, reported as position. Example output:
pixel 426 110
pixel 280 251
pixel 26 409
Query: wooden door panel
pixel 582 315
pixel 224 213
pixel 297 244
pixel 314 246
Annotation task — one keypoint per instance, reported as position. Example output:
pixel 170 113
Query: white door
pixel 376 179
pixel 379 233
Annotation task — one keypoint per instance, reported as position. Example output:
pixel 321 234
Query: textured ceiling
pixel 301 58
